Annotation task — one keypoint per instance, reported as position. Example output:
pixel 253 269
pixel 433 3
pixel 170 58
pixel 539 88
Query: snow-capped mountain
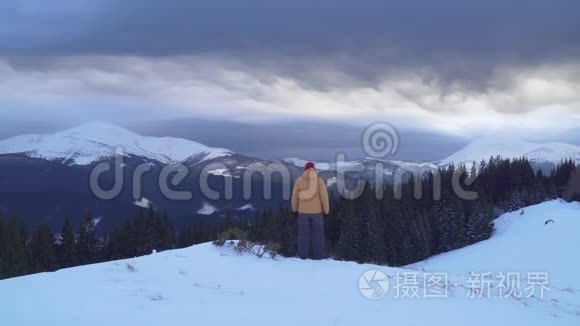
pixel 53 171
pixel 201 282
pixel 539 153
pixel 96 141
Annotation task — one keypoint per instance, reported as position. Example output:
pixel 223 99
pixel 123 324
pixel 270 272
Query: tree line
pixel 364 229
pixel 403 231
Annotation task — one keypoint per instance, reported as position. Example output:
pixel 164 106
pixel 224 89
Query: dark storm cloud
pixel 363 39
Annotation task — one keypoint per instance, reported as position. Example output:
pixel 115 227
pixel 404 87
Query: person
pixel 310 204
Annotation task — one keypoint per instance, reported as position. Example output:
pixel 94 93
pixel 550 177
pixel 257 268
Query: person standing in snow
pixel 310 203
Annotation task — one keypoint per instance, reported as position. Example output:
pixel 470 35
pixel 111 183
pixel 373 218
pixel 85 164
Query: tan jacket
pixel 310 195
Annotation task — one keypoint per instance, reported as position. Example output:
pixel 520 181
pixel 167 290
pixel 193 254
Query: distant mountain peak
pixel 538 152
pixel 90 142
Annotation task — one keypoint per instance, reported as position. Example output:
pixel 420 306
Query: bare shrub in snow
pixel 243 245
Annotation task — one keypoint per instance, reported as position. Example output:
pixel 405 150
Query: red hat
pixel 308 165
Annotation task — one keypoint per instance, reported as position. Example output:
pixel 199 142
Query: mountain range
pixel 44 178
pixel 543 154
pixel 98 141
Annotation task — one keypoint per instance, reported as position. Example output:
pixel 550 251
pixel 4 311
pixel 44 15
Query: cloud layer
pixel 533 98
pixel 452 66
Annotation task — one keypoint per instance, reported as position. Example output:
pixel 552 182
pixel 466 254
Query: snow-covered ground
pixel 205 285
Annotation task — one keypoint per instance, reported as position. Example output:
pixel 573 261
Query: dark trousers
pixel 311 236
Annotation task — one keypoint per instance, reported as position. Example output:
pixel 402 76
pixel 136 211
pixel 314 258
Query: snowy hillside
pixel 524 242
pixel 95 141
pixel 214 286
pixel 485 148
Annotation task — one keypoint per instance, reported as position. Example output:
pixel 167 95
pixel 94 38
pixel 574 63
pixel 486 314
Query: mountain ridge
pixel 537 152
pixel 540 153
pixel 96 141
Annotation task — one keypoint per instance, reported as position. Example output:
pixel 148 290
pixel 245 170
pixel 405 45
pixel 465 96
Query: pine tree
pixel 66 250
pixel 442 216
pixel 372 228
pixel 331 231
pixel 152 235
pixel 572 191
pixel 377 237
pixel 457 224
pixel 423 233
pixel 87 242
pixel 167 234
pixel 287 231
pixel 123 242
pixel 42 250
pixel 140 234
pixel 479 223
pixel 399 242
pixel 3 246
pixel 15 256
pixel 348 247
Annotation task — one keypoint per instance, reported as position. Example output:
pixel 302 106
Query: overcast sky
pixel 452 68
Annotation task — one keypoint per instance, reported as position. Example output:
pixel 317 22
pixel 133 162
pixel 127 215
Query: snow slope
pixel 94 141
pixel 522 243
pixel 485 148
pixel 205 285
